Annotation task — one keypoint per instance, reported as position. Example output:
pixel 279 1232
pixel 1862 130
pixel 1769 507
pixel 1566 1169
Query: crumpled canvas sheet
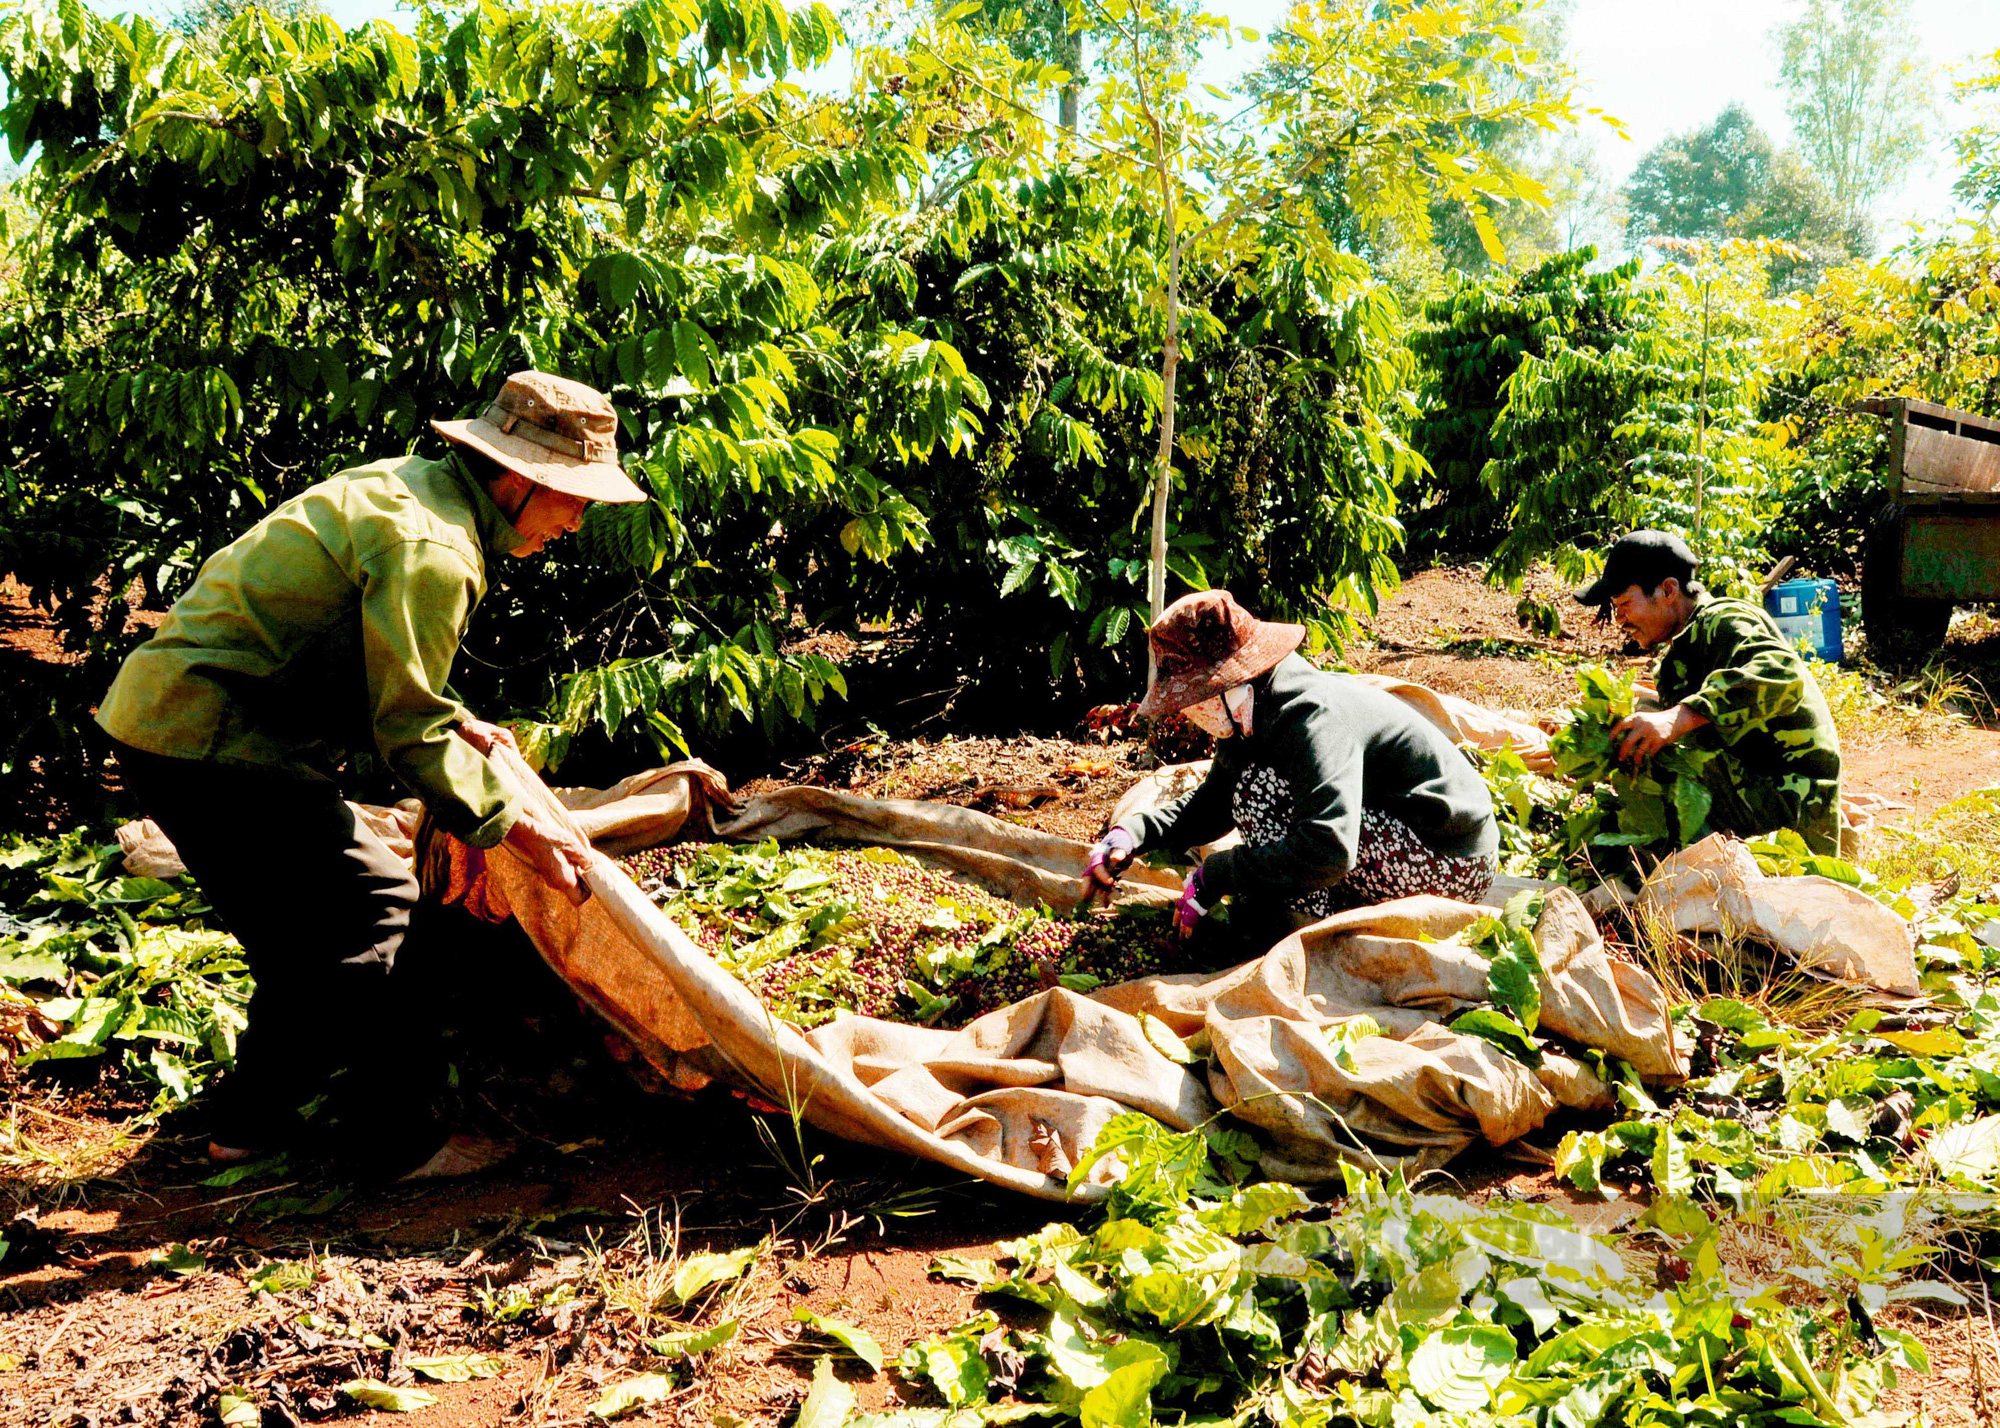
pixel 1470 723
pixel 1017 1096
pixel 1826 927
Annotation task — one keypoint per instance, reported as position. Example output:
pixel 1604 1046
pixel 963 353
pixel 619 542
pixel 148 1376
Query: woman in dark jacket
pixel 1343 794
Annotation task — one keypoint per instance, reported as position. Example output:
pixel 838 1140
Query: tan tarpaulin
pixel 1828 928
pixel 1470 723
pixel 1016 1096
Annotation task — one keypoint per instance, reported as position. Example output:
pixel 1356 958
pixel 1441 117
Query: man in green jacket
pixel 330 626
pixel 1729 681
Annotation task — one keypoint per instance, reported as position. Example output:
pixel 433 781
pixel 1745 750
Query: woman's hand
pixel 483 736
pixel 557 854
pixel 1190 910
pixel 1107 863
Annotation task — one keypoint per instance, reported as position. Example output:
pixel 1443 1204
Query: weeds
pixel 818 931
pixel 1692 970
pixel 124 967
pixel 1928 706
pixel 46 1158
pixel 1961 840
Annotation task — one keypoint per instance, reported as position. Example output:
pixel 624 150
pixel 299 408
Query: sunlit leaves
pixel 281 247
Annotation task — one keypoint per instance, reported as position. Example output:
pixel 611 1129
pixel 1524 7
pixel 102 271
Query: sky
pixel 1662 77
pixel 1663 69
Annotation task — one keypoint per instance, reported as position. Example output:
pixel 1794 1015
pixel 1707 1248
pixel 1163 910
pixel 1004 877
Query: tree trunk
pixel 1701 420
pixel 1071 93
pixel 1163 463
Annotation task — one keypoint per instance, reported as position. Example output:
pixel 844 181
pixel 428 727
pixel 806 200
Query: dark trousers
pixel 322 907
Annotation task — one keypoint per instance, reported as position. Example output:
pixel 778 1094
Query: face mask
pixel 1227 713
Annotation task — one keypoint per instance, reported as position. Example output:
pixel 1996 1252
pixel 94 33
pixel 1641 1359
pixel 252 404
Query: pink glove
pixel 1188 911
pixel 1108 861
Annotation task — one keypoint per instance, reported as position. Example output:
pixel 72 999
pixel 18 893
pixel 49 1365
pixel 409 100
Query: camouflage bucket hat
pixel 557 433
pixel 1205 643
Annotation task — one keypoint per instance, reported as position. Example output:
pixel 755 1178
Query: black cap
pixel 1643 558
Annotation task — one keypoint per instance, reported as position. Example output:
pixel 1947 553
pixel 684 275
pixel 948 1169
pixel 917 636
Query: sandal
pixel 463 1155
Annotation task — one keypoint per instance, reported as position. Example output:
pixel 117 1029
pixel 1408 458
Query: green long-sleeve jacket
pixel 332 622
pixel 1779 765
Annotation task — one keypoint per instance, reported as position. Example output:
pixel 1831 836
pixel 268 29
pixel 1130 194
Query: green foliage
pixel 1525 810
pixel 818 932
pixel 1625 814
pixel 127 967
pixel 1858 91
pixel 274 248
pixel 1514 971
pixel 1394 101
pixel 1470 346
pixel 1192 1299
pixel 1292 388
pixel 1978 144
pixel 1660 427
pixel 1917 324
pixel 1877 1102
pixel 1961 839
pixel 195 16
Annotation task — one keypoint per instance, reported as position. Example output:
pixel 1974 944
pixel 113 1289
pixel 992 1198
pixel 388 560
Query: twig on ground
pixel 49 1343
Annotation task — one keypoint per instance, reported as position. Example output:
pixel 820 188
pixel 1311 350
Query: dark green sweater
pixel 1342 746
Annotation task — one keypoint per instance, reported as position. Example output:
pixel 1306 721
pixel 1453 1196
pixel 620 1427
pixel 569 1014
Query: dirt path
pixel 540 1265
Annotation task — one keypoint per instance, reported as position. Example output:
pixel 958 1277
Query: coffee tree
pixel 1295 378
pixel 1615 401
pixel 272 249
pixel 1394 99
pixel 1468 348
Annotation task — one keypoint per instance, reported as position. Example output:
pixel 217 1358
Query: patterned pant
pixel 1390 861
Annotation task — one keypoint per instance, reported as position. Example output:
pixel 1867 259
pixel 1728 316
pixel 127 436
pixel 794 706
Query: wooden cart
pixel 1938 544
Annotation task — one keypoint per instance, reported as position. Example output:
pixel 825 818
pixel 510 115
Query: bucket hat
pixel 1205 643
pixel 1643 558
pixel 557 433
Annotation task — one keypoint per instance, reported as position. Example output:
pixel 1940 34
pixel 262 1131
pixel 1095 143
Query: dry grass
pixel 47 1159
pixel 1929 706
pixel 628 1294
pixel 1961 839
pixel 1693 969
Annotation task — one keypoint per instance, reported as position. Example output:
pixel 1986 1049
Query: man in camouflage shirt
pixel 1729 680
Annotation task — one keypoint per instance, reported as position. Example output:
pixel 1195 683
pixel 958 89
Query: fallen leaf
pixel 373 1393
pixel 284 1276
pixel 829 1403
pixel 704 1271
pixel 694 1341
pixel 179 1259
pixel 457 1368
pixel 624 1399
pixel 855 1340
pixel 977 1272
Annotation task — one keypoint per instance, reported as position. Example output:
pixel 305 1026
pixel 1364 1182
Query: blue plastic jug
pixel 1808 614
